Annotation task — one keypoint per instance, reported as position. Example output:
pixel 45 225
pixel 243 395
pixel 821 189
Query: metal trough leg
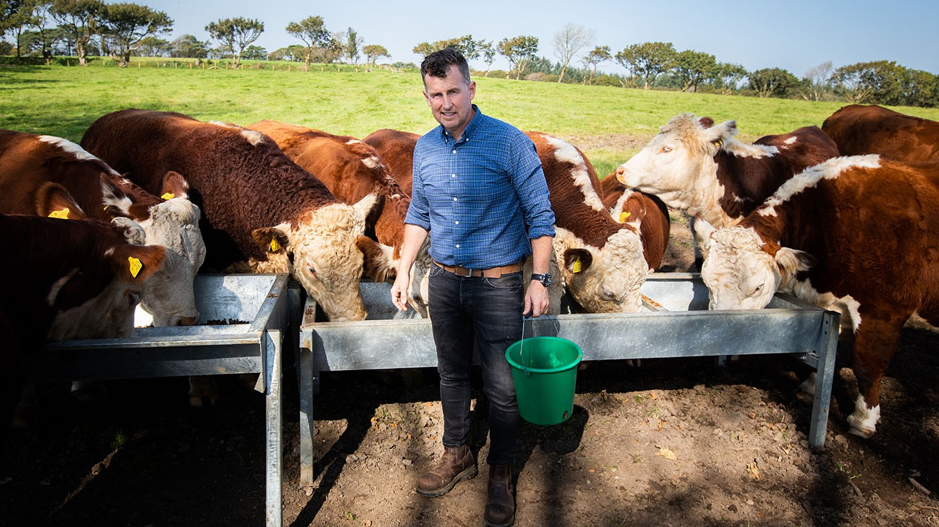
pixel 306 416
pixel 274 486
pixel 828 349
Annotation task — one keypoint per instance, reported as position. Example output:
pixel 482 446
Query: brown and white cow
pixel 854 234
pixel 259 207
pixel 644 212
pixel 396 150
pixel 601 260
pixel 700 168
pixel 66 279
pixel 28 162
pixel 858 129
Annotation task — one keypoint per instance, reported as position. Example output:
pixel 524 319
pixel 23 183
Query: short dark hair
pixel 438 63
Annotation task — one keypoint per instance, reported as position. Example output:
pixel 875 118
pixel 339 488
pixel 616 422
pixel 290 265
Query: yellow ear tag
pixel 60 214
pixel 135 266
pixel 168 195
pixel 623 216
pixel 576 268
pixel 275 246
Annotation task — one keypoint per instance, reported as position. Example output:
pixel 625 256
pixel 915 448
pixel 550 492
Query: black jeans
pixel 488 310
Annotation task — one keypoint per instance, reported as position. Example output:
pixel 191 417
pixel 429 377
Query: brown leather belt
pixel 494 272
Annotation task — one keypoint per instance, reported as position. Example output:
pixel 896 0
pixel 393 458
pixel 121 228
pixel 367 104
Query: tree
pixel 40 17
pixel 350 47
pixel 373 52
pixel 816 82
pixel 647 60
pixel 235 33
pixel 15 17
pixel 518 50
pixel 312 32
pixel 921 88
pixel 879 82
pixel 488 54
pixel 593 59
pixel 727 77
pixel 254 53
pixel 772 82
pixel 424 48
pixel 465 45
pixel 188 46
pixel 125 25
pixel 568 42
pixel 80 19
pixel 153 47
pixel 693 67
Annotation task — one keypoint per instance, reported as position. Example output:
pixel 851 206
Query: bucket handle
pixel 521 351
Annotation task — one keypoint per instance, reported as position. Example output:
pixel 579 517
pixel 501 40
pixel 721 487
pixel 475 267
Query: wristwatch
pixel 545 279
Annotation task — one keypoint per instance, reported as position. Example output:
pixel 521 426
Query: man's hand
pixel 536 299
pixel 399 291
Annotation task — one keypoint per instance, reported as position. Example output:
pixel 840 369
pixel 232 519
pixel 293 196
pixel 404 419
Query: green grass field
pixel 609 124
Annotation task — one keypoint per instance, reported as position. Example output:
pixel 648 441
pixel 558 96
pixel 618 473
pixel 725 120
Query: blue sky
pixel 796 35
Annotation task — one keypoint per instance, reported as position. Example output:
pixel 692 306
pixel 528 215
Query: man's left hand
pixel 536 299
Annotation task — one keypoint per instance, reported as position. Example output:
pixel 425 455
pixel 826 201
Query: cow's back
pixel 861 129
pixel 396 150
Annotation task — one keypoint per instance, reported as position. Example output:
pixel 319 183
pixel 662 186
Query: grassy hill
pixel 609 124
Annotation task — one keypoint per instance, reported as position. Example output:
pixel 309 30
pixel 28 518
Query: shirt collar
pixel 470 128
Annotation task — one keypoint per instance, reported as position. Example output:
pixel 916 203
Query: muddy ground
pixel 672 442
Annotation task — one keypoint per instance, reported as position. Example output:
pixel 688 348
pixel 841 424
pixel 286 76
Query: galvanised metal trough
pixel 675 323
pixel 248 317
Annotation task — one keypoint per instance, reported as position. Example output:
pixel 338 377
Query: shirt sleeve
pixel 418 211
pixel 532 189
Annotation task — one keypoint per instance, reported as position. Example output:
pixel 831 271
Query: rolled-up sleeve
pixel 531 188
pixel 418 211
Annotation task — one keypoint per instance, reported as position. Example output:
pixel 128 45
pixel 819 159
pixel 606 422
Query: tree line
pixel 123 30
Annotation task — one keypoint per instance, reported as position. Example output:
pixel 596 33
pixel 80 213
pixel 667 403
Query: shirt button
pixel 452 175
pixel 454 199
pixel 457 246
pixel 456 222
pixel 454 151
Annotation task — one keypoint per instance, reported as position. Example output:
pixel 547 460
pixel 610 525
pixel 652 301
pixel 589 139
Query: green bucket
pixel 545 373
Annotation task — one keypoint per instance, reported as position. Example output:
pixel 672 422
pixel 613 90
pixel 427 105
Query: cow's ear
pixel 271 239
pixel 706 122
pixel 720 134
pixel 577 260
pixel 791 262
pixel 174 186
pixel 704 230
pixel 365 205
pixel 377 263
pixel 55 201
pixel 137 263
pixel 633 210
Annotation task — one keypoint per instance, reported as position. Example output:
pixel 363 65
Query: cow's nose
pixel 187 321
pixel 620 173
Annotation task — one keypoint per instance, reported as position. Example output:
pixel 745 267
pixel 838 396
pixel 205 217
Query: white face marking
pixel 737 272
pixel 864 419
pixel 566 153
pixel 810 177
pixel 612 282
pixel 111 200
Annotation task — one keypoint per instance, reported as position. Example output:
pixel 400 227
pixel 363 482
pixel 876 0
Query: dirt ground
pixel 672 442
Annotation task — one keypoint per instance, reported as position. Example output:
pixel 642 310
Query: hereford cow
pixel 66 279
pixel 644 212
pixel 861 129
pixel 601 260
pixel 396 150
pixel 701 169
pixel 27 162
pixel 854 234
pixel 261 211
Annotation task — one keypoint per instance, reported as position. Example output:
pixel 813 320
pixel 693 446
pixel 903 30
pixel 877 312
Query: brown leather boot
pixel 456 465
pixel 500 509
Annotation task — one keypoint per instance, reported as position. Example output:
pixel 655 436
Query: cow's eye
pixel 666 149
pixel 312 272
pixel 756 290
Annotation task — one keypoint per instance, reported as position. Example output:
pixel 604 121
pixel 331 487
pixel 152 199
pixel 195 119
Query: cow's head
pixel 174 224
pixel 325 257
pixel 741 271
pixel 606 280
pixel 678 161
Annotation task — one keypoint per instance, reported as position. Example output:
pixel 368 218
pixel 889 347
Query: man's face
pixel 451 100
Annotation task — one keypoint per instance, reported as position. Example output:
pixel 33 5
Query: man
pixel 478 183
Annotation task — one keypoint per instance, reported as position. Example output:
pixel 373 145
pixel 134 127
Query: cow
pixel 396 150
pixel 66 279
pixel 644 212
pixel 28 161
pixel 701 169
pixel 852 234
pixel 858 129
pixel 601 260
pixel 261 212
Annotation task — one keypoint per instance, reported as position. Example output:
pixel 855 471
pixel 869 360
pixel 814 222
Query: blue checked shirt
pixel 477 195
